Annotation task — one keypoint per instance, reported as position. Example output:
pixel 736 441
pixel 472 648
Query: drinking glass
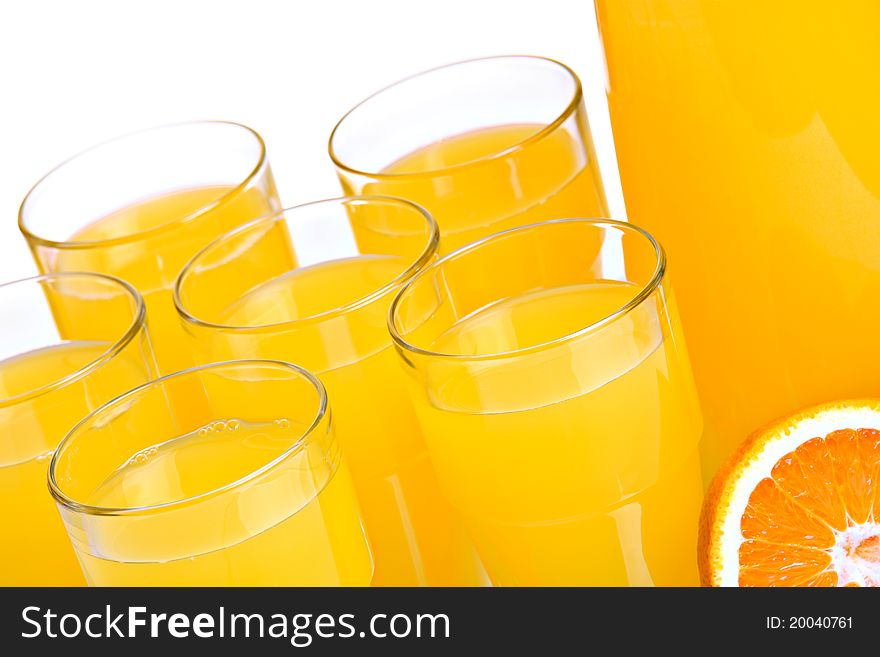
pixel 483 145
pixel 549 374
pixel 252 492
pixel 139 206
pixel 312 285
pixel 56 365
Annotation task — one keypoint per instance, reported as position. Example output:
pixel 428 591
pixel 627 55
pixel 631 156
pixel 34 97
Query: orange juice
pixel 574 468
pixel 247 489
pixel 36 550
pixel 299 530
pixel 416 538
pixel 153 258
pixel 472 192
pixel 484 145
pixel 747 141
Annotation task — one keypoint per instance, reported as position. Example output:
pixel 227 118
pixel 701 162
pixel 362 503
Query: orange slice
pixel 799 503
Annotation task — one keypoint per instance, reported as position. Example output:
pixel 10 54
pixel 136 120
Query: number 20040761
pixel 809 623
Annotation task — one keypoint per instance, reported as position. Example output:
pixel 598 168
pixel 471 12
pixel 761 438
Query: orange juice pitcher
pixel 747 141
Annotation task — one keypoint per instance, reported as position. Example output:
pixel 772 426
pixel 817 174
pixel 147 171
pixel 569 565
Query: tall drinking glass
pixel 747 138
pixel 138 207
pixel 557 403
pixel 56 365
pixel 254 492
pixel 312 285
pixel 483 145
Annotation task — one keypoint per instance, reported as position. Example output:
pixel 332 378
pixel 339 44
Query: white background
pixel 76 73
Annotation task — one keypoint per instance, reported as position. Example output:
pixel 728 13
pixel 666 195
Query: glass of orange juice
pixel 551 381
pixel 138 207
pixel 483 145
pixel 56 367
pixel 747 133
pixel 254 492
pixel 312 285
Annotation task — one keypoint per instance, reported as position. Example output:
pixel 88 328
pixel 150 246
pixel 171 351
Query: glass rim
pixel 645 291
pixel 412 270
pixel 138 322
pixel 68 502
pixel 545 130
pixel 156 230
